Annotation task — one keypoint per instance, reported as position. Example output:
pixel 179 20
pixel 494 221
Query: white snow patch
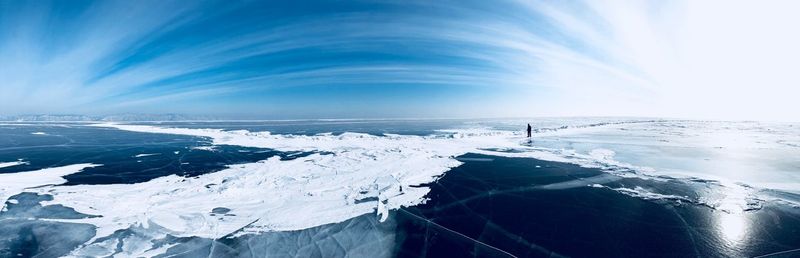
pixel 145 155
pixel 642 193
pixel 14 183
pixel 602 154
pixel 13 163
pixel 205 148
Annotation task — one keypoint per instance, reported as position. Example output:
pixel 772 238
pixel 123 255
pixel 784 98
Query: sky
pixel 730 60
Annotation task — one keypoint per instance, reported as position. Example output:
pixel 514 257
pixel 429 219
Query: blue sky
pixel 370 59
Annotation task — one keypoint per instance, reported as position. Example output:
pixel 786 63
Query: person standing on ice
pixel 529 130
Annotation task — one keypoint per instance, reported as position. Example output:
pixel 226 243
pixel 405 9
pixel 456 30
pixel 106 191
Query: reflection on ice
pixel 759 154
pixel 732 228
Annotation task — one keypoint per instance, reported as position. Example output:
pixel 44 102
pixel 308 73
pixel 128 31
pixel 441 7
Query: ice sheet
pixel 351 174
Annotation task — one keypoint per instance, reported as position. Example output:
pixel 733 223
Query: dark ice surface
pixel 494 208
pixel 116 150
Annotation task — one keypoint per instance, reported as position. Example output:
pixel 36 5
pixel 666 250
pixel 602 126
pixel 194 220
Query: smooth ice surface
pixel 508 206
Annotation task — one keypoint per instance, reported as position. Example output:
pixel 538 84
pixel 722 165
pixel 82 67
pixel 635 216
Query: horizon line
pixel 364 119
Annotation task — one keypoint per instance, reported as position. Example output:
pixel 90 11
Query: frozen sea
pixel 580 187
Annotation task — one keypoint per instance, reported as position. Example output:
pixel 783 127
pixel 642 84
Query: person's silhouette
pixel 529 130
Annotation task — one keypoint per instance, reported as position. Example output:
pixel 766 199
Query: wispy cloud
pixel 515 57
